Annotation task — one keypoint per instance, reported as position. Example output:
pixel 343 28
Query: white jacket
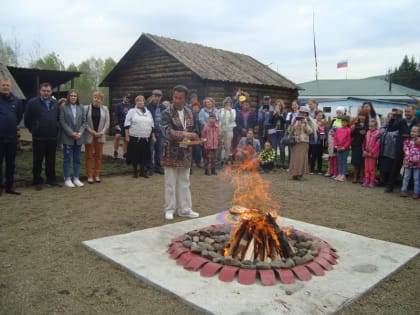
pixel 227 119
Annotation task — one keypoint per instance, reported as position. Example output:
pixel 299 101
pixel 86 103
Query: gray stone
pixel 209 240
pixel 187 243
pixel 232 262
pixel 263 265
pixel 195 249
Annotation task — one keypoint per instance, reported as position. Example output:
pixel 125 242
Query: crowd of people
pixel 152 132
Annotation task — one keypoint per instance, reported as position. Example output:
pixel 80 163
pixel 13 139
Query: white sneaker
pixel 77 182
pixel 68 183
pixel 169 215
pixel 189 214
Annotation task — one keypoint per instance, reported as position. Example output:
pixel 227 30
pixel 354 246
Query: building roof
pixel 28 78
pixel 361 88
pixel 210 63
pixel 5 73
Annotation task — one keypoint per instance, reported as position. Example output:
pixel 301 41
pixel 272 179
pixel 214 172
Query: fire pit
pixel 204 249
pixel 257 245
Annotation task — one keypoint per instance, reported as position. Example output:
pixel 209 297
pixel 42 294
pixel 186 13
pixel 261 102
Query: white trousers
pixel 177 187
pixel 227 144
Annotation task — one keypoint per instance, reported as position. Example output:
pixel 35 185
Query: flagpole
pixel 313 31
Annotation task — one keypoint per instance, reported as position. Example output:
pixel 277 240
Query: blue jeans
pixel 275 139
pixel 156 149
pixel 408 173
pixel 71 152
pixel 196 154
pixel 342 162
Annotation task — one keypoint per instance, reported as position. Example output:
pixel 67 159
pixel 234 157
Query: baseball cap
pixel 157 92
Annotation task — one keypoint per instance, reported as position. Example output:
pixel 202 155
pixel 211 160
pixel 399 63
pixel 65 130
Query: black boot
pixel 213 171
pixel 207 172
pixel 135 172
pixel 142 172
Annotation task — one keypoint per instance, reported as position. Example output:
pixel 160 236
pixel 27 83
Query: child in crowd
pixel 371 146
pixel 316 144
pixel 342 141
pixel 266 157
pixel 332 157
pixel 411 162
pixel 210 136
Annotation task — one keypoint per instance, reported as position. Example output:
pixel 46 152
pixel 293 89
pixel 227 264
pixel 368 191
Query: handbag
pixel 288 139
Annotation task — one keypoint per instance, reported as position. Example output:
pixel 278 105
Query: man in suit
pixel 41 118
pixel 10 116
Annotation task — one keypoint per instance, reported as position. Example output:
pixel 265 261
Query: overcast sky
pixel 373 35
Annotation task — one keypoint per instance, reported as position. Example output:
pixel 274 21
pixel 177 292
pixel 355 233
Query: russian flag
pixel 342 64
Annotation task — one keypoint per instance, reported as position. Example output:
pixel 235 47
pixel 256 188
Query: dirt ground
pixel 45 270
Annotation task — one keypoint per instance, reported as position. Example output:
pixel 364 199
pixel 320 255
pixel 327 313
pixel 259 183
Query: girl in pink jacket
pixel 210 136
pixel 371 147
pixel 411 162
pixel 342 141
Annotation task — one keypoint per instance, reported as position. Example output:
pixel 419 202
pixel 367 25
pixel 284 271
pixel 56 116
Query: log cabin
pixel 155 62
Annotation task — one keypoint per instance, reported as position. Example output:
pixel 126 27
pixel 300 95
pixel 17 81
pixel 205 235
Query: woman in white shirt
pixel 138 132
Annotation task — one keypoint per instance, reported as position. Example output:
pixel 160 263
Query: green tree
pixel 72 67
pixel 93 71
pixel 407 74
pixel 8 55
pixel 109 64
pixel 51 61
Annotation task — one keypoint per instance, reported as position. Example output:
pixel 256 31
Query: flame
pixel 258 234
pixel 250 189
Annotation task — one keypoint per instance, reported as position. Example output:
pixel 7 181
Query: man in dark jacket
pixel 156 108
pixel 41 118
pixel 120 112
pixel 10 116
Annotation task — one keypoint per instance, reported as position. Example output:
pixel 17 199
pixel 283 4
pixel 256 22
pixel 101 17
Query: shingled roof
pixel 5 74
pixel 214 64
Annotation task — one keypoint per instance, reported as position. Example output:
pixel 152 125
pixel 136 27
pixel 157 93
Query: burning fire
pixel 258 235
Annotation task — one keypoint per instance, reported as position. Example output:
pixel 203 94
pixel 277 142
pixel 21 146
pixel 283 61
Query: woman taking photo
pixel 97 119
pixel 73 124
pixel 301 127
pixel 138 132
pixel 367 106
